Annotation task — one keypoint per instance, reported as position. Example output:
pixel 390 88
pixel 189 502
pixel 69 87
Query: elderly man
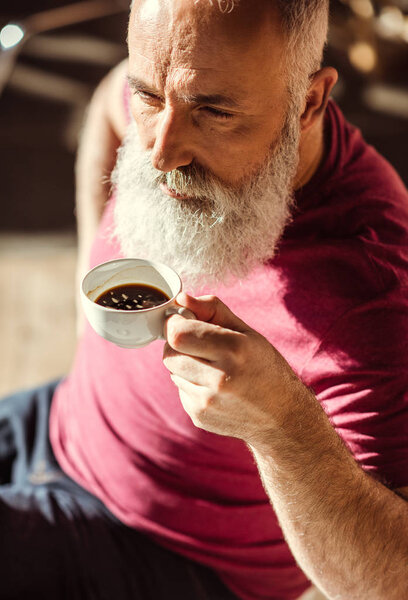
pixel 264 446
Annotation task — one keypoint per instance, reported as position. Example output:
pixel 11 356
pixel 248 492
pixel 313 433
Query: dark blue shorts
pixel 57 541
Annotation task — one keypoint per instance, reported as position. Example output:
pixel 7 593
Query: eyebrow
pixel 216 99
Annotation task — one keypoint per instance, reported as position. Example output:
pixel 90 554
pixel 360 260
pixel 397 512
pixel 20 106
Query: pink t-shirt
pixel 334 303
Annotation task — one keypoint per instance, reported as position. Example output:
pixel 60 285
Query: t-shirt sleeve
pixel 359 374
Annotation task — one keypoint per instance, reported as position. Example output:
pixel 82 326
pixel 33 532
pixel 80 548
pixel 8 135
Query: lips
pixel 170 192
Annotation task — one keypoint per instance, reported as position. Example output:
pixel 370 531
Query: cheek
pixel 255 139
pixel 240 153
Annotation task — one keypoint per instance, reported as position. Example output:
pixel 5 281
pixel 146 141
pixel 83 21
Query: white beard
pixel 222 233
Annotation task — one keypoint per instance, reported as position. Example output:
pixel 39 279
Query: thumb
pixel 211 310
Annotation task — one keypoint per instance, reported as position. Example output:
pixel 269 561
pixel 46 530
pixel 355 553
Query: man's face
pixel 205 176
pixel 209 88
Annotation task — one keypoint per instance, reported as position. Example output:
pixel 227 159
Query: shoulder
pixel 357 199
pixel 112 94
pixel 344 256
pixel 355 165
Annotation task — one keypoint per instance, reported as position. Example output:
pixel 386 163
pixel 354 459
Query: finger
pixel 192 397
pixel 212 310
pixel 203 340
pixel 195 370
pixel 192 389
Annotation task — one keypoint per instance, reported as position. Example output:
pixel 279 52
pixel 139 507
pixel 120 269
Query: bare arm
pixel 347 531
pixel 104 128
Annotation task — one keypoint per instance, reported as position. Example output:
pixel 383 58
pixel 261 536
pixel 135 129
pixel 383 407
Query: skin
pixel 350 536
pixel 103 130
pixel 174 56
pixel 346 530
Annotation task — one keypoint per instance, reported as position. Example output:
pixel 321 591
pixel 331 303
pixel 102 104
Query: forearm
pixel 95 161
pixel 103 128
pixel 347 532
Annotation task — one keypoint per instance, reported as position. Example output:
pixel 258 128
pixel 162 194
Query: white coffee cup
pixel 130 328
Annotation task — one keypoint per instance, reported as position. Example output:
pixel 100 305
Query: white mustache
pixel 192 181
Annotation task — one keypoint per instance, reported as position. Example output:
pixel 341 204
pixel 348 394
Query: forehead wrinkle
pixel 189 87
pixel 183 39
pixel 150 60
pixel 178 80
pixel 248 66
pixel 169 67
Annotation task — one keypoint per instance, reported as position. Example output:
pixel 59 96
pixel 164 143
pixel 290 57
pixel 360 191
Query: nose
pixel 172 146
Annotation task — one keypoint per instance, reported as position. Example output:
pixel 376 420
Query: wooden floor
pixel 37 313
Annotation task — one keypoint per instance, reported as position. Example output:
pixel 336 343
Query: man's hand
pixel 347 532
pixel 231 380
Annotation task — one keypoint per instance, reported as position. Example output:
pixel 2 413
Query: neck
pixel 311 151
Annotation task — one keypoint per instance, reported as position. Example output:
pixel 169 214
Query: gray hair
pixel 305 24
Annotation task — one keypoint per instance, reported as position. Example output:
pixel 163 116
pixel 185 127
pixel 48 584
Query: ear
pixel 322 83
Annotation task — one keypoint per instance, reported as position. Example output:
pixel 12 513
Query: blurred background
pixel 50 62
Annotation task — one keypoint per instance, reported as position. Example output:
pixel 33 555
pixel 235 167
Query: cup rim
pixel 121 310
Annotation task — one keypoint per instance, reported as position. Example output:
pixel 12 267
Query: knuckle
pixel 175 334
pixel 198 417
pixel 175 339
pixel 239 353
pixel 197 422
pixel 213 301
pixel 202 414
pixel 209 402
pixel 223 382
pixel 206 404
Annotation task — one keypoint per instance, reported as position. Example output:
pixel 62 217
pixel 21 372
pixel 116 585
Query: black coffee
pixel 132 296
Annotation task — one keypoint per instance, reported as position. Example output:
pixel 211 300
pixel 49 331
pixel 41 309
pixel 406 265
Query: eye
pixel 220 114
pixel 147 97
